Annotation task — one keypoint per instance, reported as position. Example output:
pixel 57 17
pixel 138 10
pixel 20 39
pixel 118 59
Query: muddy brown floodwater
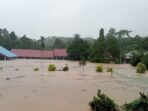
pixel 22 89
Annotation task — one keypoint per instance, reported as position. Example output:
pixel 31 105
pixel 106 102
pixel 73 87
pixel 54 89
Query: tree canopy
pixel 78 48
pixel 107 47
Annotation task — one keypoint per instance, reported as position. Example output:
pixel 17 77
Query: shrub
pixel 103 103
pixel 145 60
pixel 51 67
pixel 36 69
pixel 141 68
pixel 66 68
pixel 141 104
pixel 99 68
pixel 109 69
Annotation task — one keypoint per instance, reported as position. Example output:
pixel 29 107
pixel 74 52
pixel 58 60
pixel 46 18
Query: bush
pixel 99 68
pixel 36 69
pixel 141 104
pixel 109 69
pixel 141 68
pixel 51 67
pixel 65 68
pixel 103 103
pixel 145 60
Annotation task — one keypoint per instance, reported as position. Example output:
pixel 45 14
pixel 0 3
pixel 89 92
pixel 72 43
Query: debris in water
pixel 7 78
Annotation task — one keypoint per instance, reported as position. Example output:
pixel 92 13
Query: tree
pixel 26 43
pixel 123 33
pixel 140 104
pixel 98 49
pixel 78 48
pixel 12 40
pixel 112 47
pixel 145 43
pixel 101 102
pixel 42 42
pixel 58 44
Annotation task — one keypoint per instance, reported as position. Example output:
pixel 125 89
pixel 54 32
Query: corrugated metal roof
pixel 39 53
pixel 6 52
pixel 33 53
pixel 60 53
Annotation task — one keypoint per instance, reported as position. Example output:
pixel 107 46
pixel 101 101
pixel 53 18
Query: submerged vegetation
pixel 109 69
pixel 51 67
pixel 36 69
pixel 66 68
pixel 141 104
pixel 141 68
pixel 99 68
pixel 101 102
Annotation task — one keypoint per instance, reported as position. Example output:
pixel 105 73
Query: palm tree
pixel 123 33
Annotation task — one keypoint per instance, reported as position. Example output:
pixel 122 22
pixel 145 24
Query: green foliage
pixel 101 50
pixel 141 104
pixel 51 67
pixel 66 68
pixel 145 60
pixel 112 47
pixel 103 103
pixel 42 39
pixel 98 49
pixel 99 68
pixel 36 69
pixel 123 33
pixel 78 48
pixel 136 58
pixel 141 68
pixel 109 69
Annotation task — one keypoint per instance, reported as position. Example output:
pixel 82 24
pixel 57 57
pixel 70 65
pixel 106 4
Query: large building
pixel 59 54
pixel 6 54
pixel 41 54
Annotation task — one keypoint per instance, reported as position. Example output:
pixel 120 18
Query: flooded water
pixel 22 89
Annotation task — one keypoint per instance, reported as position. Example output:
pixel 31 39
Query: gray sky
pixel 66 17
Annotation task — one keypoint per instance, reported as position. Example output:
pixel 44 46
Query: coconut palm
pixel 123 33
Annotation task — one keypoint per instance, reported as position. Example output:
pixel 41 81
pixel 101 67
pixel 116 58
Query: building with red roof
pixel 59 53
pixel 41 54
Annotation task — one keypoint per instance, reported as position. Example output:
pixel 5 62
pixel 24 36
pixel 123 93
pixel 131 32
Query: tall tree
pixel 112 47
pixel 78 48
pixel 98 49
pixel 42 42
pixel 123 33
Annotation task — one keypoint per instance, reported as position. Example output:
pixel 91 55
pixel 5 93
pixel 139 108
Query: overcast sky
pixel 66 17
